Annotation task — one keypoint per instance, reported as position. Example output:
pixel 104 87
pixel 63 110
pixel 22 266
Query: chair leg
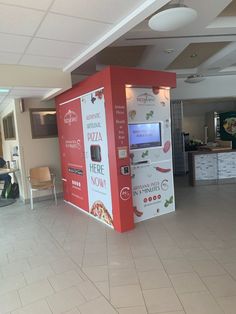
pixel 31 199
pixel 55 194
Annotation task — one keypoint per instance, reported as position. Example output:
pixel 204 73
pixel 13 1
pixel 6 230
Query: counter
pixel 212 167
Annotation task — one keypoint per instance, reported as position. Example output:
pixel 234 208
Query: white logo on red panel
pixel 73 144
pixel 76 183
pixel 70 117
pixel 125 193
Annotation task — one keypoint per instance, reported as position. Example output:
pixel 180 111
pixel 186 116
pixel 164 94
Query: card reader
pixel 124 170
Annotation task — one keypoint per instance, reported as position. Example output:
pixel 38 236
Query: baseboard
pixel 41 198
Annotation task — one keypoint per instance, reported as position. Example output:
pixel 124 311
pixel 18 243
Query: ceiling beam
pixel 28 76
pixel 132 19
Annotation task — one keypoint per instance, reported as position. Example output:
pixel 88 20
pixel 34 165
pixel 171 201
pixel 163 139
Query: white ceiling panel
pixel 2 98
pixel 223 22
pixel 9 58
pixel 12 43
pixel 24 89
pixel 68 33
pixel 104 10
pixel 16 20
pixel 71 29
pixel 45 47
pixel 49 62
pixel 34 4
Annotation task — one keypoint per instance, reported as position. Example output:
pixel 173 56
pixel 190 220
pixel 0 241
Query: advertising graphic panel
pixel 96 154
pixel 150 151
pixel 72 149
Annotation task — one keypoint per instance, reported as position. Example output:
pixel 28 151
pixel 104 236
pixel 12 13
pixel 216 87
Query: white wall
pixel 195 127
pixel 36 152
pixel 210 87
pixel 7 145
pixel 194 115
pixel 33 152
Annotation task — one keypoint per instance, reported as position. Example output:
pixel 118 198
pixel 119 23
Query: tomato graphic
pixel 166 147
pixel 155 90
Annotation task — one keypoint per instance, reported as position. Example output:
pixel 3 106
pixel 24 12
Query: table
pixel 8 170
pixel 212 167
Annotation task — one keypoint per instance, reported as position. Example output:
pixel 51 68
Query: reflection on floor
pixel 58 260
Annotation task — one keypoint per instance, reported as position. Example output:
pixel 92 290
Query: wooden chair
pixel 41 178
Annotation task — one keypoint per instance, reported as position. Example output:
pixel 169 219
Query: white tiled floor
pixel 57 260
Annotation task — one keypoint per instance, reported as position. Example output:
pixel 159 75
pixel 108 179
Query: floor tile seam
pixel 209 292
pixel 25 281
pixel 33 302
pixel 221 264
pixel 145 304
pixel 19 298
pixel 80 268
pixel 228 272
pixel 35 283
pixel 215 300
pixel 8 257
pixel 85 300
pixel 84 245
pixel 204 276
pixel 220 306
pixel 15 290
pixel 219 275
pixel 64 272
pixel 48 306
pixel 211 257
pixel 166 229
pixel 108 273
pixel 177 295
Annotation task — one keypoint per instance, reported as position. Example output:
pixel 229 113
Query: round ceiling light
pixel 194 78
pixel 174 17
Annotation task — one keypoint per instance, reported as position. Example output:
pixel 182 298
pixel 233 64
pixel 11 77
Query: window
pixel 43 123
pixel 9 127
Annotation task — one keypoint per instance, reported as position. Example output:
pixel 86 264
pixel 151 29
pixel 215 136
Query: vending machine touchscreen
pixel 144 135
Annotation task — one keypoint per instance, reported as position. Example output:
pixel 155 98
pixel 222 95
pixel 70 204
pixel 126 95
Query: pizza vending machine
pixel 115 146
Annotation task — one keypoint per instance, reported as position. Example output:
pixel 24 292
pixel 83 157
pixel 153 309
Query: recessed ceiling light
pixel 4 90
pixel 169 50
pixel 174 17
pixel 194 55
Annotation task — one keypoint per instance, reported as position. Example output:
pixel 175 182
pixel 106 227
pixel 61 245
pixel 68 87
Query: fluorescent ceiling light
pixel 174 17
pixel 4 90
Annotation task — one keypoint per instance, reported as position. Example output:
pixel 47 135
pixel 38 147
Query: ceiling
pixel 84 36
pixel 207 46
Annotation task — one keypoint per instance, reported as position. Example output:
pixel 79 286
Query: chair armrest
pixel 29 181
pixel 53 176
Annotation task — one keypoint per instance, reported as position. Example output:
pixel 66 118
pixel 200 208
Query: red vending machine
pixel 99 146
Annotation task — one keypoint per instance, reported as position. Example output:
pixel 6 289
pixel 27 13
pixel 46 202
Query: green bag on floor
pixel 6 192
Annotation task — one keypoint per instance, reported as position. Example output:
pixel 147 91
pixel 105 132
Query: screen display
pixel 144 135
